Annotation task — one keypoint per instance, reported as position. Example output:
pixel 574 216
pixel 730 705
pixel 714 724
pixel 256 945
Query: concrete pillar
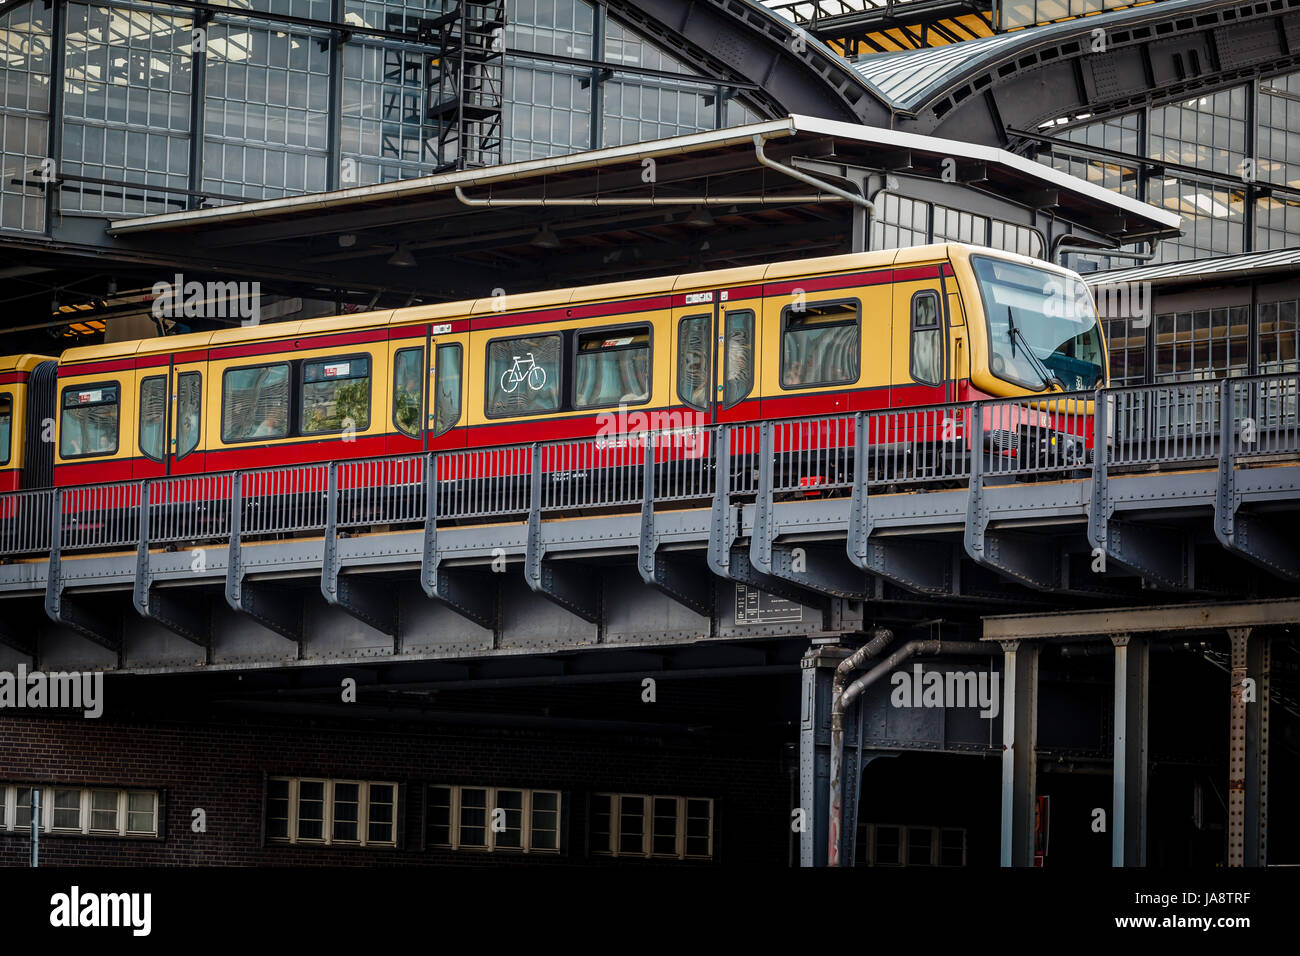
pixel 1248 749
pixel 1019 742
pixel 1128 819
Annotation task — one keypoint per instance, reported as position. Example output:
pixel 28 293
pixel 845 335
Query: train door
pixel 447 386
pixel 169 417
pixel 428 394
pixel 715 357
pixel 920 348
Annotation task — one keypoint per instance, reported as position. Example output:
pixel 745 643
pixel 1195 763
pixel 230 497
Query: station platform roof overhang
pixel 626 211
pixel 1220 270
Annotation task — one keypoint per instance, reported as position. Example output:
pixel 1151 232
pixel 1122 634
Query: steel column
pixel 817 670
pixel 1019 743
pixel 1128 820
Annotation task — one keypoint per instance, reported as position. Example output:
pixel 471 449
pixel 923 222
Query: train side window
pixel 925 347
pixel 6 426
pixel 89 421
pixel 335 395
pixel 693 372
pixel 189 412
pixel 612 367
pixel 737 357
pixel 255 403
pixel 408 390
pixel 820 344
pixel 523 376
pixel 153 416
pixel 446 406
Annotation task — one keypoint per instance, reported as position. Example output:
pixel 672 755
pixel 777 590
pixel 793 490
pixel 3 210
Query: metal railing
pixel 1031 437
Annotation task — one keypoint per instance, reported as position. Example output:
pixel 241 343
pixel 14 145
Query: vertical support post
pixel 1019 745
pixel 1240 637
pixel 36 826
pixel 817 670
pixel 1128 821
pixel 1258 664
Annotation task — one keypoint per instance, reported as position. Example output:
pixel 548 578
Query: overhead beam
pixel 1159 620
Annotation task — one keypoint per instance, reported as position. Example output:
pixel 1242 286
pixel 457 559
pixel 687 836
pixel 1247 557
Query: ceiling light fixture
pixel 545 239
pixel 402 257
pixel 699 217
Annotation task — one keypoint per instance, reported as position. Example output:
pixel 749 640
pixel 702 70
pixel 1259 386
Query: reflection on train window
pixel 189 412
pixel 153 416
pixel 612 368
pixel 255 403
pixel 446 409
pixel 926 348
pixel 693 334
pixel 335 395
pixel 820 344
pixel 523 376
pixel 6 426
pixel 738 357
pixel 88 425
pixel 408 390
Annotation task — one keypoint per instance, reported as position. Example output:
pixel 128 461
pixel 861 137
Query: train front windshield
pixel 1042 326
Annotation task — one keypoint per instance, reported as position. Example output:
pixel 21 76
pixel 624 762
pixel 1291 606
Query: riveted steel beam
pixel 823 570
pixel 450 586
pixel 185 615
pixel 63 608
pixel 369 601
pixel 275 610
pixel 1245 534
pixel 672 576
pixel 1163 556
pixel 1019 751
pixel 575 590
pixel 1129 797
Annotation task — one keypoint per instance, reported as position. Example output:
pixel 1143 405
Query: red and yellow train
pixel 880 330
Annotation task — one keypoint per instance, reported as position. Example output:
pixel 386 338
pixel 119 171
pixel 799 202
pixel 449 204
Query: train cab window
pixel 523 376
pixel 89 420
pixel 820 344
pixel 255 403
pixel 335 395
pixel 737 357
pixel 693 372
pixel 153 416
pixel 408 390
pixel 612 367
pixel 926 347
pixel 446 405
pixel 6 427
pixel 189 412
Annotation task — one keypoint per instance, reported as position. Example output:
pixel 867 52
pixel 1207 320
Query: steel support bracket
pixel 448 585
pixel 66 610
pixel 1162 556
pixel 1240 532
pixel 578 592
pixel 819 569
pixel 920 567
pixel 1030 559
pixel 369 601
pixel 274 610
pixel 670 576
pixel 190 618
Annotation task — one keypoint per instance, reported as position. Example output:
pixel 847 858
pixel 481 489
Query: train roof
pixel 23 363
pixel 533 300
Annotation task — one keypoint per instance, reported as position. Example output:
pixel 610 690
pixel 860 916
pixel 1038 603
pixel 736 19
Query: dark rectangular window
pixel 255 403
pixel 335 395
pixel 926 345
pixel 447 379
pixel 820 344
pixel 189 412
pixel 408 391
pixel 612 367
pixel 737 357
pixel 153 416
pixel 89 422
pixel 694 334
pixel 523 376
pixel 6 426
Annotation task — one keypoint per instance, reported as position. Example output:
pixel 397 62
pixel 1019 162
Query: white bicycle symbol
pixel 522 370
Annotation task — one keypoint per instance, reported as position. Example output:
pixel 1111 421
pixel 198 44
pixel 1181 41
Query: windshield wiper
pixel 1044 373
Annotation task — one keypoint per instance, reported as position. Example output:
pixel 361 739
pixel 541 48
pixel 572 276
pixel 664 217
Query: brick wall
pixel 220 765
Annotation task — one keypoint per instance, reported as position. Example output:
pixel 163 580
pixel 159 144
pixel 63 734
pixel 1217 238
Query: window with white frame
pixel 321 812
pixel 91 811
pixel 662 827
pixel 493 819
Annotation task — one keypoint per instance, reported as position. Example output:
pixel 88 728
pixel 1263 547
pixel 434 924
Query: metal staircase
pixel 465 84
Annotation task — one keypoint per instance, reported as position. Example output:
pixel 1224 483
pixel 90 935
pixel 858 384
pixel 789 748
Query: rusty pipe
pixel 844 697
